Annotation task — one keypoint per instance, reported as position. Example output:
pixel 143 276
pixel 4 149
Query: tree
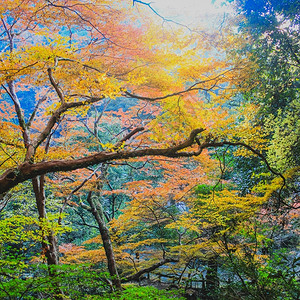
pixel 272 28
pixel 53 68
pixel 64 62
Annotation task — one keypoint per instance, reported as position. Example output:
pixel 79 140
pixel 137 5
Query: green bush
pixel 133 292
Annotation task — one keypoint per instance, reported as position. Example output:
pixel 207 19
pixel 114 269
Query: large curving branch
pixel 27 170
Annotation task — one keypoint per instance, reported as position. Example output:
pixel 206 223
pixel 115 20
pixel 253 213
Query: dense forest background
pixel 144 159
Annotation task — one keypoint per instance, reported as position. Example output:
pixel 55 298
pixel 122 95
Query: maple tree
pixel 76 61
pixel 89 87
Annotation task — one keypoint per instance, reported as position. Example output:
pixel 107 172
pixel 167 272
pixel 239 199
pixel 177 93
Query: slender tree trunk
pixel 49 241
pixel 97 211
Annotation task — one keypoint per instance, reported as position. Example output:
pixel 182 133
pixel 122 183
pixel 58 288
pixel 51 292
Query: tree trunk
pixel 97 211
pixel 49 241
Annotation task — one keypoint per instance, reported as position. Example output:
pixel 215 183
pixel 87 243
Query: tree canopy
pixel 136 149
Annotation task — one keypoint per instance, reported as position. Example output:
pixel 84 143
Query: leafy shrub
pixel 133 292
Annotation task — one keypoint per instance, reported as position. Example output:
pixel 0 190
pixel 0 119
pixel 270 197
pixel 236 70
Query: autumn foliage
pixel 134 144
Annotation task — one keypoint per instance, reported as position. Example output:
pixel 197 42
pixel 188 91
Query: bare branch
pixel 55 85
pixel 13 95
pixel 159 15
pixel 41 100
pixel 128 136
pixel 194 87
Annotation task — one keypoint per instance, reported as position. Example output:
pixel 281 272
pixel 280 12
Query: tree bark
pixel 49 241
pixel 97 211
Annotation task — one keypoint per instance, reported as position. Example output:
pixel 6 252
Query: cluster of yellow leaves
pixel 31 59
pixel 186 221
pixel 248 131
pixel 270 189
pixel 52 226
pixel 226 209
pixel 198 222
pixel 12 151
pixel 18 229
pixel 285 134
pixel 185 253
